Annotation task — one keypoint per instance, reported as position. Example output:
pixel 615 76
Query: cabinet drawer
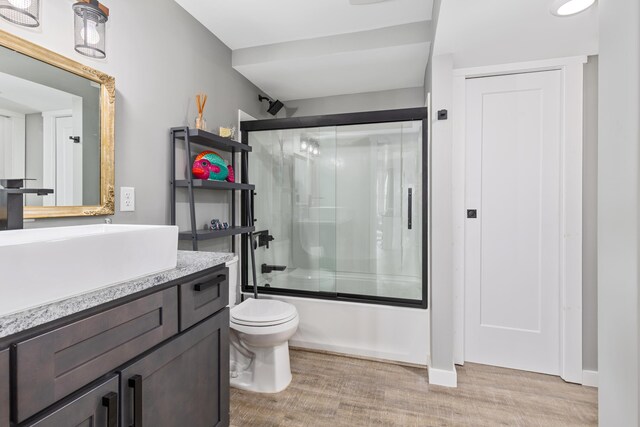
pixel 55 364
pixel 96 407
pixel 201 298
pixel 184 382
pixel 4 388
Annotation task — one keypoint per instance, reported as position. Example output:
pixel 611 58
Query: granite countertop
pixel 188 263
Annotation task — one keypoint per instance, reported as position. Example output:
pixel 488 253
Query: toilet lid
pixel 262 312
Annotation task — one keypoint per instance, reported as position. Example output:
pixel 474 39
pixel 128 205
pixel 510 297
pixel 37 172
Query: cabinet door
pixel 185 382
pixel 96 407
pixel 55 364
pixel 4 388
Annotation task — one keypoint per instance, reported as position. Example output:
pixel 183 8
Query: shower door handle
pixel 253 212
pixel 410 208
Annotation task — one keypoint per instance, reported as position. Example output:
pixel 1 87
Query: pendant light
pixel 21 12
pixel 89 23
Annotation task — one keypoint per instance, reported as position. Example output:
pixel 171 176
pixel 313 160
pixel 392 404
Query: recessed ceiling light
pixel 359 2
pixel 570 7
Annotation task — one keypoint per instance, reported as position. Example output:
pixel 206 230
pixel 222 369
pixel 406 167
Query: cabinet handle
pixel 202 286
pixel 110 401
pixel 135 383
pixel 410 209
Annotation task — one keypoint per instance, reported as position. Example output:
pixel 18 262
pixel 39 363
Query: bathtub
pixel 385 332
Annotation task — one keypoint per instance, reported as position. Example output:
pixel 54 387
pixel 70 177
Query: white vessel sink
pixel 39 266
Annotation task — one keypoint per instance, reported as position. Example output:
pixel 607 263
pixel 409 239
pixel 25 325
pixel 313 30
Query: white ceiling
pixel 26 97
pixel 502 31
pixel 368 61
pixel 248 23
pixel 300 49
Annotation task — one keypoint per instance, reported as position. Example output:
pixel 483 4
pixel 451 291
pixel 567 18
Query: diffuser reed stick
pixel 201 101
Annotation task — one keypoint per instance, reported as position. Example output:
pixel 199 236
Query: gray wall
pixel 91 150
pixel 368 101
pixel 590 218
pixel 428 75
pixel 33 153
pixel 441 217
pixel 618 213
pixel 161 57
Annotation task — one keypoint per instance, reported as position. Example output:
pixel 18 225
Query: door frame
pixel 243 116
pixel 571 204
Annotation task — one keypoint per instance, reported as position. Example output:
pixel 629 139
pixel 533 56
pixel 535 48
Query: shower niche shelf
pixel 199 138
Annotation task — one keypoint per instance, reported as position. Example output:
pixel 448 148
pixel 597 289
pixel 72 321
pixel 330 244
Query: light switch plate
pixel 127 199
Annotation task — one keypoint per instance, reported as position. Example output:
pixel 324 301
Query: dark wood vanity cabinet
pixel 160 359
pixel 52 365
pixel 96 407
pixel 4 388
pixel 182 383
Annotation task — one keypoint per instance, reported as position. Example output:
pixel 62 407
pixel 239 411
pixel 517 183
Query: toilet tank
pixel 234 288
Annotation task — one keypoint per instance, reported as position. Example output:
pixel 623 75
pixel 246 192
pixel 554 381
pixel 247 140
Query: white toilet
pixel 260 332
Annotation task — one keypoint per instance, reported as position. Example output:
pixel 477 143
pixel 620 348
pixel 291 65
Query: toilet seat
pixel 262 312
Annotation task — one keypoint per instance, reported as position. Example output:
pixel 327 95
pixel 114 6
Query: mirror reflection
pixel 49 130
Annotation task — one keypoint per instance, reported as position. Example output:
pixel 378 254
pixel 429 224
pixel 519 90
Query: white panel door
pixel 68 188
pixel 512 248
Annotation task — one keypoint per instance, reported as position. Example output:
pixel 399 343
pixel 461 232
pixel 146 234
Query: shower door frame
pixel 337 120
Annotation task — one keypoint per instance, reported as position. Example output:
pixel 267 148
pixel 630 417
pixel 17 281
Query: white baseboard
pixel 357 352
pixel 590 378
pixel 355 356
pixel 443 377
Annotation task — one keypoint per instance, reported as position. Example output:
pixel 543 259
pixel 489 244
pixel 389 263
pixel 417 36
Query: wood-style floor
pixel 330 390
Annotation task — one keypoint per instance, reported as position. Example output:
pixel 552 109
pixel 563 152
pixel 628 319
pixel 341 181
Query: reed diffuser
pixel 201 101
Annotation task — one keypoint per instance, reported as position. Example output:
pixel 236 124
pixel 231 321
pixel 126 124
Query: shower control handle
pixel 263 239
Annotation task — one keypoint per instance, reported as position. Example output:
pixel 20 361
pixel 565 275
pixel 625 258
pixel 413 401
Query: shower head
pixel 274 106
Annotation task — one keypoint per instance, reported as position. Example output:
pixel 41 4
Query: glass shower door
pixel 294 206
pixel 378 214
pixel 339 211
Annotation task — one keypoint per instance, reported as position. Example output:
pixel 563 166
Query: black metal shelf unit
pixel 209 140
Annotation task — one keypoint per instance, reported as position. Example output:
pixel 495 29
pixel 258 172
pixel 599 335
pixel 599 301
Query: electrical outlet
pixel 127 199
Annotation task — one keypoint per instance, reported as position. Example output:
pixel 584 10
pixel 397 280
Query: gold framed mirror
pixel 57 119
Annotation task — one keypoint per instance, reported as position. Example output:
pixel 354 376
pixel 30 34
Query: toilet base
pixel 270 371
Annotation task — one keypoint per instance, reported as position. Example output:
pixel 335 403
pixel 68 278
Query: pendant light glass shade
pixel 89 24
pixel 21 12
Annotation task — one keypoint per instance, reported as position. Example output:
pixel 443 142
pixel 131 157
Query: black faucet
pixel 269 268
pixel 12 204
